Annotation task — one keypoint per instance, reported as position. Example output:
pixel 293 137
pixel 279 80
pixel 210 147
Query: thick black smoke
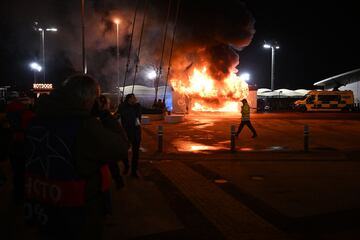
pixel 206 31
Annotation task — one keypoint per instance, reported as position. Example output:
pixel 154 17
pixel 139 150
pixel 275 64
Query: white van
pixel 326 101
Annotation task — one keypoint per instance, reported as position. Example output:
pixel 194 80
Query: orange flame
pixel 212 96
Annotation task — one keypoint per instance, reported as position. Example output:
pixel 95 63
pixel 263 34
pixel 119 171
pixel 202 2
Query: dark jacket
pixel 68 155
pixel 110 122
pixel 129 115
pixel 94 145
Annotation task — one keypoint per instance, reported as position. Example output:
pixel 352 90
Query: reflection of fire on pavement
pixel 188 146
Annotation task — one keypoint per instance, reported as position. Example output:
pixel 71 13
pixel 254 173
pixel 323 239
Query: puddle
pixel 276 148
pixel 246 149
pixel 188 146
pixel 220 181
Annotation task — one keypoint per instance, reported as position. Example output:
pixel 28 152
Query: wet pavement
pixel 268 189
pixel 276 132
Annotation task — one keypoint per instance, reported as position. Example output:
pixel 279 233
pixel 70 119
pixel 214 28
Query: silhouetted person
pixel 110 122
pixel 155 104
pixel 5 139
pixel 162 106
pixel 130 114
pixel 19 115
pixel 67 174
pixel 121 104
pixel 245 119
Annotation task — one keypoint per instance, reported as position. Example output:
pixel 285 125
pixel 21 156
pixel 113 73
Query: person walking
pixel 245 119
pixel 66 171
pixel 130 114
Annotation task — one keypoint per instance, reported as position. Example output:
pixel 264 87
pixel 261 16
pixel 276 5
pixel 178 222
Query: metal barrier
pixel 160 138
pixel 306 138
pixel 232 138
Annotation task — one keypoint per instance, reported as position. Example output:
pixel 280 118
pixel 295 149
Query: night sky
pixel 317 39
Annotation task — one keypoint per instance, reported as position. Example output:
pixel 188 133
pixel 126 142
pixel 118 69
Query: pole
pixel 34 76
pixel 139 47
pixel 129 50
pixel 272 67
pixel 83 36
pixel 118 61
pixel 171 49
pixel 306 138
pixel 232 138
pixel 160 138
pixel 43 52
pixel 162 52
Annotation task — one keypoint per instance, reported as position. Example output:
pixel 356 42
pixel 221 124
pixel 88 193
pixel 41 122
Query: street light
pixel 245 77
pixel 273 47
pixel 42 35
pixel 117 22
pixel 36 68
pixel 151 74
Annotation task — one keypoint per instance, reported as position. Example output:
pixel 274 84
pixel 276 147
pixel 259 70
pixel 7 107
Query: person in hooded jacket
pixel 130 114
pixel 66 172
pixel 101 109
pixel 19 115
pixel 245 119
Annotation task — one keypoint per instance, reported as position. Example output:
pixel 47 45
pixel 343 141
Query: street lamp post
pixel 117 22
pixel 84 67
pixel 42 35
pixel 273 47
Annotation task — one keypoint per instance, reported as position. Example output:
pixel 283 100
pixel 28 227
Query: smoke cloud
pixel 210 33
pixel 207 31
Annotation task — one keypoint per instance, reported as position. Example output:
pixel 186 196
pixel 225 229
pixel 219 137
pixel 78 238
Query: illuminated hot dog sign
pixel 42 86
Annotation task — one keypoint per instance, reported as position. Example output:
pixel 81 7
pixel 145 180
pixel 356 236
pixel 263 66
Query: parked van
pixel 326 101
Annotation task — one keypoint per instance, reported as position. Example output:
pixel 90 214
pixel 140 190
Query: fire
pixel 209 95
pixel 227 107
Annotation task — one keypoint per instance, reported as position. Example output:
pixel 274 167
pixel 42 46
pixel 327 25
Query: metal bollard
pixel 160 138
pixel 306 138
pixel 232 138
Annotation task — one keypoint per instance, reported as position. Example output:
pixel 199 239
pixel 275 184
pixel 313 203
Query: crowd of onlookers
pixel 64 151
